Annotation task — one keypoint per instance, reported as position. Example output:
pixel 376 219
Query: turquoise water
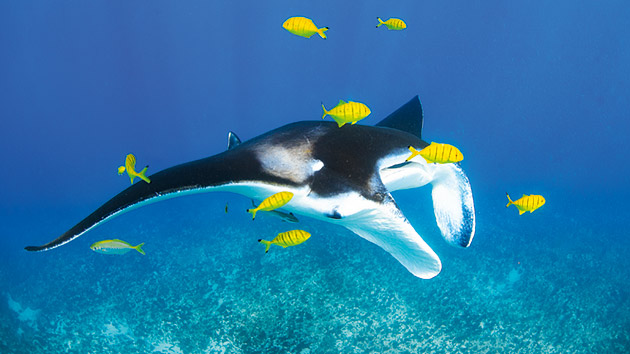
pixel 535 95
pixel 206 286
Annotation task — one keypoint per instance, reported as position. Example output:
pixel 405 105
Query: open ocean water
pixel 536 95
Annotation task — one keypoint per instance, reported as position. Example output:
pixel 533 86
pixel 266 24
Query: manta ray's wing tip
pixel 390 230
pixel 453 205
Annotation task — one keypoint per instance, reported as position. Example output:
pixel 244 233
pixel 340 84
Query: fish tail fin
pixel 139 248
pixel 380 22
pixel 143 176
pixel 414 153
pixel 253 211
pixel 510 202
pixel 266 243
pixel 325 111
pixel 321 31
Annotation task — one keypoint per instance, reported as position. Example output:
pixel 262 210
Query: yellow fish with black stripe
pixel 395 24
pixel 526 203
pixel 272 202
pixel 286 239
pixel 303 27
pixel 439 153
pixel 130 166
pixel 347 112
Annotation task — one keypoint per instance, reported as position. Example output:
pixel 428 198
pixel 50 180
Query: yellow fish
pixel 130 166
pixel 273 202
pixel 303 27
pixel 440 153
pixel 392 24
pixel 115 247
pixel 286 239
pixel 347 112
pixel 526 203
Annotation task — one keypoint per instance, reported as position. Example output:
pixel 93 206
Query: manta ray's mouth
pixel 405 175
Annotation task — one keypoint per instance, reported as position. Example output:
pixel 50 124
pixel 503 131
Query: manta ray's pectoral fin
pixel 453 204
pixel 386 226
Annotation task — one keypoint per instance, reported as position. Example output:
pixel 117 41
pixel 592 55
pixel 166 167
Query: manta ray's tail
pixel 192 177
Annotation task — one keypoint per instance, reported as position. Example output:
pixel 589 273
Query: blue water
pixel 535 94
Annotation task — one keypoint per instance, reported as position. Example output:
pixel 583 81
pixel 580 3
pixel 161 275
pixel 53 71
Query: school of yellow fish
pixel 343 113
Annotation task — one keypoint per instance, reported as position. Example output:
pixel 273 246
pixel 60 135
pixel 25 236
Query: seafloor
pixel 550 283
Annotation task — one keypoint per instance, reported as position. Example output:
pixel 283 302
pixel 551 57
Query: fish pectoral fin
pixel 386 226
pixel 453 204
pixel 340 122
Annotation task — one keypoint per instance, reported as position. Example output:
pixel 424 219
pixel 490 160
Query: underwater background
pixel 536 95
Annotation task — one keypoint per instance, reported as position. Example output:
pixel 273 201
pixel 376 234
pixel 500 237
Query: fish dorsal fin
pixel 233 141
pixel 341 102
pixel 407 118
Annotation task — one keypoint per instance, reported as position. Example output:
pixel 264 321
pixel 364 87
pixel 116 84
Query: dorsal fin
pixel 233 141
pixel 407 118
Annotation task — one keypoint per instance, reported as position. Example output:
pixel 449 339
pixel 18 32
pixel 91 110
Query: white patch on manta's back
pixel 292 161
pixel 317 165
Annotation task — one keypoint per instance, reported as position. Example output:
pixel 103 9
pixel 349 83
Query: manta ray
pixel 344 176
